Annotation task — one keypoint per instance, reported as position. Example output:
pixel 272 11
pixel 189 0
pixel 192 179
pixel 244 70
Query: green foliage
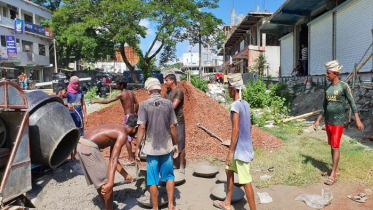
pixel 270 102
pixel 199 83
pixel 91 93
pixel 260 63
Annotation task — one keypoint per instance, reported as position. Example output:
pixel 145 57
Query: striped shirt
pixel 304 53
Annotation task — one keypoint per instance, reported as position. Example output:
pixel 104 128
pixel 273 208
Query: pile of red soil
pixel 198 108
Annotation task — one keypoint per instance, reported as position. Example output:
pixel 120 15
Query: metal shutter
pixel 321 44
pixel 287 52
pixel 354 23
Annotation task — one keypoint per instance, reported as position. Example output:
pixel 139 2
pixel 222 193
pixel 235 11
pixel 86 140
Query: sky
pixel 242 7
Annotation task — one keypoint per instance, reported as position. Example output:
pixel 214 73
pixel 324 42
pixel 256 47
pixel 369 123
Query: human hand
pixel 71 108
pixel 229 158
pixel 106 188
pixel 316 125
pixel 128 177
pixel 359 125
pixel 175 150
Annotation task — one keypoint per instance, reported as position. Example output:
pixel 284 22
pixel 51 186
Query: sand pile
pixel 198 108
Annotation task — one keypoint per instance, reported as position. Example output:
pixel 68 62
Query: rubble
pixel 198 108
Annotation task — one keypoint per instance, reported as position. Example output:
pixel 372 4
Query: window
pixel 3 43
pixel 41 49
pixel 13 14
pixel 5 12
pixel 26 46
pixel 28 18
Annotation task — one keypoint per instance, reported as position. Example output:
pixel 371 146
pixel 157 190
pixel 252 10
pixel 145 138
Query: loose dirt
pixel 198 108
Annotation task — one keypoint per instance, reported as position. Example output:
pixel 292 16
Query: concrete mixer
pixel 34 128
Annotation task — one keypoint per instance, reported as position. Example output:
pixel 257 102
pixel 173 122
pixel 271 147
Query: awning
pixel 290 13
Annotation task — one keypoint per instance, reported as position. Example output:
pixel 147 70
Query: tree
pixel 52 5
pixel 119 21
pixel 260 63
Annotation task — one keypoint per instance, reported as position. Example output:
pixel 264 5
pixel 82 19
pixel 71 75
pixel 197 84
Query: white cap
pixel 235 81
pixel 152 83
pixel 333 66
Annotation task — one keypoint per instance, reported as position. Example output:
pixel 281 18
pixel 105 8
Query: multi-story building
pixel 22 20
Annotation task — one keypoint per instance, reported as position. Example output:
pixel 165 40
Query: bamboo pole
pixel 301 116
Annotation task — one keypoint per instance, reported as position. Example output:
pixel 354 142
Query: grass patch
pixel 302 160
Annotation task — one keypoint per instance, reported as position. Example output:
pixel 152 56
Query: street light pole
pixel 55 56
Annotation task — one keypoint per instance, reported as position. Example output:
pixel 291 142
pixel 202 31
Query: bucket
pixel 53 134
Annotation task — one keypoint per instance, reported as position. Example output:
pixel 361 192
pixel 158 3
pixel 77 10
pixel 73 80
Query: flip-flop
pixel 220 205
pixel 127 163
pixel 330 181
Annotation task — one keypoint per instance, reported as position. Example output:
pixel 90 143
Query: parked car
pixel 140 77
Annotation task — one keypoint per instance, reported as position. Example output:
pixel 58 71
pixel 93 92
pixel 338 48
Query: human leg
pixel 107 199
pixel 153 189
pixel 334 138
pixel 180 128
pixel 152 178
pixel 131 158
pixel 250 196
pixel 167 174
pixel 230 183
pixel 170 187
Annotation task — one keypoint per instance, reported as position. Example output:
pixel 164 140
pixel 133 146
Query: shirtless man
pixel 130 107
pixel 96 170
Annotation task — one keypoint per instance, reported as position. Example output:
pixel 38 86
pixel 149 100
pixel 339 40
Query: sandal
pixel 128 163
pixel 220 205
pixel 327 173
pixel 330 181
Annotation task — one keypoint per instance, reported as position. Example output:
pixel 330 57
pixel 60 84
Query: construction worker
pixel 130 107
pixel 241 152
pixel 176 96
pixel 96 170
pixel 158 120
pixel 334 114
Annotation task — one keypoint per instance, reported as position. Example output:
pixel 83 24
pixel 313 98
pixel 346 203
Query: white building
pixel 32 44
pixel 190 59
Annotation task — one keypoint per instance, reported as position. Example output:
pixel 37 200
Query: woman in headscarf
pixel 78 110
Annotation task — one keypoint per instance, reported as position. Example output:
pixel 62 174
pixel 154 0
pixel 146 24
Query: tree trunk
pixel 200 56
pixel 128 64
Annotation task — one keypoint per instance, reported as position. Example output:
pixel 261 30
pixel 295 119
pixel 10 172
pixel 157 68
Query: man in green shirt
pixel 176 96
pixel 334 114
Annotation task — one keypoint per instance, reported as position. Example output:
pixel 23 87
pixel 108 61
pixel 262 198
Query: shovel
pixel 223 142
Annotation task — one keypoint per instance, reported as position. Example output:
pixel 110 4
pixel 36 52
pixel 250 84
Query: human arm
pixel 123 172
pixel 234 137
pixel 106 101
pixel 322 114
pixel 175 148
pixel 136 105
pixel 351 101
pixel 85 119
pixel 113 162
pixel 178 98
pixel 139 138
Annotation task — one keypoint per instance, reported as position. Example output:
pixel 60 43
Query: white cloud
pixel 146 24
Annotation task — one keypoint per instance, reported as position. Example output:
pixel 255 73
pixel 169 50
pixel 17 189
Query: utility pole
pixel 200 55
pixel 55 56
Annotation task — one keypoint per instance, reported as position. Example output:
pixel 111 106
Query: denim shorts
pixel 159 165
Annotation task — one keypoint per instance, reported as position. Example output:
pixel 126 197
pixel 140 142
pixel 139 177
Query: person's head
pixel 303 46
pixel 235 85
pixel 121 83
pixel 131 126
pixel 170 80
pixel 74 82
pixel 61 92
pixel 332 70
pixel 153 85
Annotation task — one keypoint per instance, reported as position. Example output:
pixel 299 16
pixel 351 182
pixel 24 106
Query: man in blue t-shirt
pixel 241 151
pixel 78 112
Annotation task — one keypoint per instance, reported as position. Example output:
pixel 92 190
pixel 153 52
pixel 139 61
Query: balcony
pixel 29 59
pixel 29 27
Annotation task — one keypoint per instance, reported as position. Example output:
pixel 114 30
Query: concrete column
pixel 34 18
pixel 264 40
pixel 20 14
pixel 296 46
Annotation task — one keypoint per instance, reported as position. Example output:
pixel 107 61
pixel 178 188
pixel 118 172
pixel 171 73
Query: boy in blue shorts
pixel 158 120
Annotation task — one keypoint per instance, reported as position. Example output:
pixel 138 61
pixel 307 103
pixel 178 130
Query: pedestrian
pixel 78 111
pixel 241 152
pixel 130 107
pixel 304 54
pixel 158 120
pixel 96 170
pixel 62 94
pixel 334 114
pixel 176 96
pixel 297 71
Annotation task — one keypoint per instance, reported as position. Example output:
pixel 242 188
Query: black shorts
pixel 180 129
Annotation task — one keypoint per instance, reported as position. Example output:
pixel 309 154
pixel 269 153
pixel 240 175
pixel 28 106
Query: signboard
pixel 39 29
pixel 19 26
pixel 3 53
pixel 11 46
pixel 29 27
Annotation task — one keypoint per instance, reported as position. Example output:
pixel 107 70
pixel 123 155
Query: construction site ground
pixel 66 188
